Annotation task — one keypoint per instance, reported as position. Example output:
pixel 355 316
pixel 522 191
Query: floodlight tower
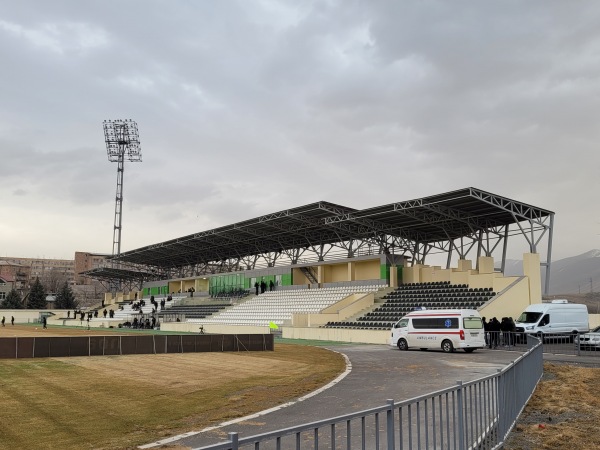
pixel 122 142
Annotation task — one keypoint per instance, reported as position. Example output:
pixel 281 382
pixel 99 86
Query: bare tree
pixel 53 280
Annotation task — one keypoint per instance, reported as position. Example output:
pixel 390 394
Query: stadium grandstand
pixel 326 271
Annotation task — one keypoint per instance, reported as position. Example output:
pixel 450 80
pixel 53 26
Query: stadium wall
pixel 192 327
pixel 338 335
pixel 511 299
pixel 28 315
pixel 340 311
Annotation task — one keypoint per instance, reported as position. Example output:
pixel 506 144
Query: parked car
pixel 589 340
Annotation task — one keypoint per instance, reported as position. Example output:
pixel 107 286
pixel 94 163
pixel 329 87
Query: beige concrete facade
pixel 532 270
pixel 338 272
pixel 511 299
pixel 514 294
pixel 338 334
pixel 342 310
pixel 299 277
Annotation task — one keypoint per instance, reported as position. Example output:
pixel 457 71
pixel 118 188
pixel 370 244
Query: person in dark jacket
pixel 486 332
pixel 494 332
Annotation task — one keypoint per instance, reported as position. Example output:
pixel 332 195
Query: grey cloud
pixel 248 108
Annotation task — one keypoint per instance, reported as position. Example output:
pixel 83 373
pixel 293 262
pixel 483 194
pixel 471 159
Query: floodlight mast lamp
pixel 122 142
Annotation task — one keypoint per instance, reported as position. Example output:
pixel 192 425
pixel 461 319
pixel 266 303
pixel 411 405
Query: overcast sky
pixel 249 107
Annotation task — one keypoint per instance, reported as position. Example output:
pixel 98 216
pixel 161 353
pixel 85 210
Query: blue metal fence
pixel 477 414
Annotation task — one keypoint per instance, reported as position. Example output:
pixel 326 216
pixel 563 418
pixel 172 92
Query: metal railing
pixel 477 414
pixel 585 344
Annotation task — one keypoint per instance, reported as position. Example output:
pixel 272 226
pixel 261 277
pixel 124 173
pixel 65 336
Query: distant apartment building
pixel 54 269
pixel 5 287
pixel 85 261
pixel 51 272
pixel 13 276
pixel 20 273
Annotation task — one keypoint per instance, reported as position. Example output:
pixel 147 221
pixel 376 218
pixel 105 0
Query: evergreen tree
pixel 65 298
pixel 37 296
pixel 12 301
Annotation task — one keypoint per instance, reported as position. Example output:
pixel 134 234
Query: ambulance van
pixel 445 329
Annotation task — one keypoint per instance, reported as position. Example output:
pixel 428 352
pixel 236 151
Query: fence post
pixel 390 425
pixel 461 414
pixel 500 406
pixel 233 437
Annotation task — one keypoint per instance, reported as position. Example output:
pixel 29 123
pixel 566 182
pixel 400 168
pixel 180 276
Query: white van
pixel 447 329
pixel 556 317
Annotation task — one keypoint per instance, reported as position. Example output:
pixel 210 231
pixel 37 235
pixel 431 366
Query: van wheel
pixel 469 350
pixel 447 346
pixel 402 344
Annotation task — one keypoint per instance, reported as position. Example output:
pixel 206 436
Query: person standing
pixel 256 287
pixel 494 332
pixel 486 332
pixel 12 320
pixel 3 320
pixel 44 323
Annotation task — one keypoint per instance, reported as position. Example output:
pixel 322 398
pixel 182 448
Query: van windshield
pixel 529 317
pixel 472 323
pixel 402 323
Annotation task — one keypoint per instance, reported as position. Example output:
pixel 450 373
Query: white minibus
pixel 556 317
pixel 446 329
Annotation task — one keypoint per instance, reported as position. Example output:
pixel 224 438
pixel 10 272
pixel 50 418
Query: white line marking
pixel 258 414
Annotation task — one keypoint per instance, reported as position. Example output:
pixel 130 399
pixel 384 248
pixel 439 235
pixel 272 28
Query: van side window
pixel 435 322
pixel 545 320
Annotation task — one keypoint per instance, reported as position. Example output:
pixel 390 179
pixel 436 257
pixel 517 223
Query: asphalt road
pixel 378 373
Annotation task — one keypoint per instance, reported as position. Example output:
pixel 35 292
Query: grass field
pixel 116 402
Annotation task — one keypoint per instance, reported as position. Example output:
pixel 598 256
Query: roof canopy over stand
pixel 461 222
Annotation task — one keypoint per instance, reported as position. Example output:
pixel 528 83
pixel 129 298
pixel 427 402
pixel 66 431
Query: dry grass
pixel 563 413
pixel 123 401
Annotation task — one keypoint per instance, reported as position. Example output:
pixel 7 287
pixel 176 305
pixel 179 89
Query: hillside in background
pixel 575 275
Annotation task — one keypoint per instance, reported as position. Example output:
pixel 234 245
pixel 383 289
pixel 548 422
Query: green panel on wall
pixel 286 279
pixel 399 272
pixel 384 272
pixel 226 283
